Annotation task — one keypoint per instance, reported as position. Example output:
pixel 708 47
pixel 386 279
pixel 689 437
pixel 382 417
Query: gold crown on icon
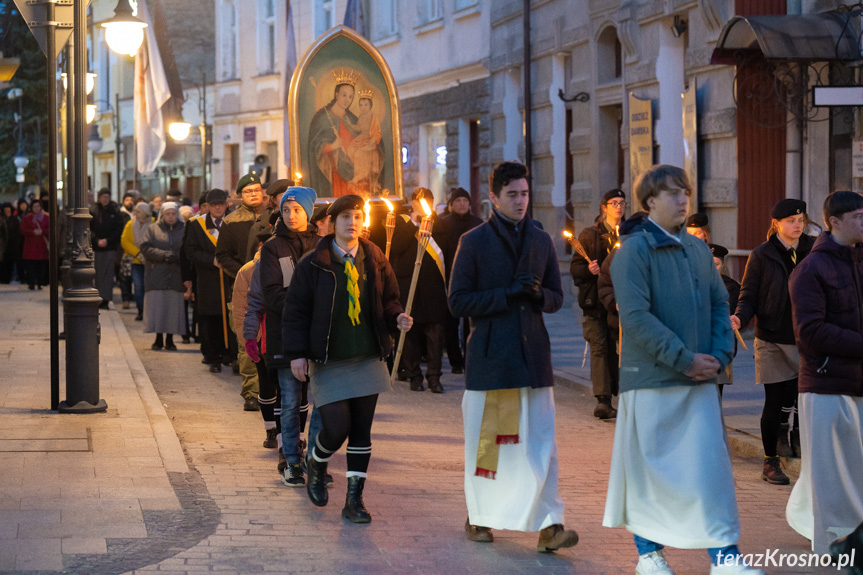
pixel 366 94
pixel 350 78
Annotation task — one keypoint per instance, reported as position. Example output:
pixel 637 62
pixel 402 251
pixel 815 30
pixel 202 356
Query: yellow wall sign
pixel 640 139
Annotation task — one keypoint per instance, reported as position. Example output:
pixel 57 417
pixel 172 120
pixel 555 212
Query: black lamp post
pixel 81 299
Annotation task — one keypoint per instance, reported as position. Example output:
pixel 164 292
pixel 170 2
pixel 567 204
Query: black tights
pixel 349 419
pixel 169 339
pixel 780 400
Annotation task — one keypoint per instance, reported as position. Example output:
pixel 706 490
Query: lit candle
pixel 367 208
pixel 299 178
pixel 390 225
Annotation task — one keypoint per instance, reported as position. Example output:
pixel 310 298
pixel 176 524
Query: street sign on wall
pixel 640 139
pixel 837 96
pixel 857 159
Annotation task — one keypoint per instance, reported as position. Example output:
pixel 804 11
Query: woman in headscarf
pixel 133 235
pixel 34 228
pixel 163 281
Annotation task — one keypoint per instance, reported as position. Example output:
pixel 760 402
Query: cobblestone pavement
pixel 414 490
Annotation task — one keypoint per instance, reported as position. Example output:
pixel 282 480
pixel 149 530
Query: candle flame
pixel 567 235
pixel 367 208
pixel 389 204
pixel 426 207
pixel 299 177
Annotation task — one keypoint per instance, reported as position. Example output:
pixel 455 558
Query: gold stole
pixel 213 233
pixel 499 427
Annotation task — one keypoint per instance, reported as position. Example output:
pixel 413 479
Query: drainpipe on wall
pixel 794 134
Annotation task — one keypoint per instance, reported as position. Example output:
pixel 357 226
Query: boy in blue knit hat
pixel 292 238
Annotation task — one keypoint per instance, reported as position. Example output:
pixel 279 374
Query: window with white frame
pixel 266 36
pixel 429 11
pixel 462 4
pixel 385 20
pixel 228 41
pixel 324 15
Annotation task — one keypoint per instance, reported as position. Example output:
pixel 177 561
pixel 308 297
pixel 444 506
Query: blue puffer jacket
pixel 673 304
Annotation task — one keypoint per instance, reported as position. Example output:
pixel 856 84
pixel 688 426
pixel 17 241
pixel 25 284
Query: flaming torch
pixel 390 225
pixel 299 179
pixel 423 237
pixel 367 208
pixel 576 245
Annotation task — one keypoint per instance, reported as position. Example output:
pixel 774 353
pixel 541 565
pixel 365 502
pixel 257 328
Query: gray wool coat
pixel 508 346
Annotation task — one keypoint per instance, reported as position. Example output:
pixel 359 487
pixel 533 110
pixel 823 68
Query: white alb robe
pixel 827 501
pixel 524 494
pixel 671 480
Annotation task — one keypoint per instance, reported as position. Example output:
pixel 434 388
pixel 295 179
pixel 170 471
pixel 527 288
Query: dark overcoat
pixel 508 346
pixel 200 252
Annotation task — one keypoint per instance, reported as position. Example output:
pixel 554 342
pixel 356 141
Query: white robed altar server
pixel 671 481
pixel 505 275
pixel 826 299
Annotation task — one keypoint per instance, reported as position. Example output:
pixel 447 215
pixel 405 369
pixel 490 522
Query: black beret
pixel 216 196
pixel 611 194
pixel 320 213
pixel 349 202
pixel 718 251
pixel 787 208
pixel 696 221
pixel 247 180
pixel 279 187
pixel 458 193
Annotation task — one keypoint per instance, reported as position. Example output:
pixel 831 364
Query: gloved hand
pixel 520 287
pixel 252 350
pixel 533 289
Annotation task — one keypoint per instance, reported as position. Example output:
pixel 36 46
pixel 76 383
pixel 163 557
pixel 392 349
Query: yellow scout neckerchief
pixel 499 427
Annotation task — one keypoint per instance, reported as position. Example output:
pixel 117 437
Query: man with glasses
pixel 598 240
pixel 231 255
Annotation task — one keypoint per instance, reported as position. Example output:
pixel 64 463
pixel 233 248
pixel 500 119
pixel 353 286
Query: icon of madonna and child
pixel 347 149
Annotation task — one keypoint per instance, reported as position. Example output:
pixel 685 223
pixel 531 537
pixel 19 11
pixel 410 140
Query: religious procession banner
pixel 640 140
pixel 343 110
pixel 690 142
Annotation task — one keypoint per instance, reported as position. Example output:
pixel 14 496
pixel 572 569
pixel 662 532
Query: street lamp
pixel 91 81
pixel 8 67
pixel 179 130
pixel 124 33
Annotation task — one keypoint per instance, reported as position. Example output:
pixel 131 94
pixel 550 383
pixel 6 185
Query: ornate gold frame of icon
pixel 297 78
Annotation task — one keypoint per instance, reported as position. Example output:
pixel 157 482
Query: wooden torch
pixel 390 225
pixel 423 238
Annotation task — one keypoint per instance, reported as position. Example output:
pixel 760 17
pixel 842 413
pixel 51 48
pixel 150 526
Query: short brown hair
pixel 840 203
pixel 657 178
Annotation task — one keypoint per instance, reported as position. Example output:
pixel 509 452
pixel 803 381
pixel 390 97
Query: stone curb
pixel 166 438
pixel 742 444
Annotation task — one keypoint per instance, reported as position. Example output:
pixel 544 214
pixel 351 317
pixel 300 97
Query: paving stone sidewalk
pixel 231 514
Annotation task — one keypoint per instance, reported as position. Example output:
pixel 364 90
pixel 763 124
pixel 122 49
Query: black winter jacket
pixel 279 257
pixel 199 251
pixel 827 297
pixel 764 291
pixel 598 243
pixel 307 315
pixel 231 251
pixel 107 224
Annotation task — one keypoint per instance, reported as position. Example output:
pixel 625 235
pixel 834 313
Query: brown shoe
pixel 555 537
pixel 477 533
pixel 772 472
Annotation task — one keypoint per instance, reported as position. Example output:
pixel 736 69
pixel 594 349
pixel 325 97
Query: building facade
pixel 184 30
pixel 437 51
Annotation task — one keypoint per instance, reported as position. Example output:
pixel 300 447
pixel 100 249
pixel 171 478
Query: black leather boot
pixel 354 510
pixel 316 486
